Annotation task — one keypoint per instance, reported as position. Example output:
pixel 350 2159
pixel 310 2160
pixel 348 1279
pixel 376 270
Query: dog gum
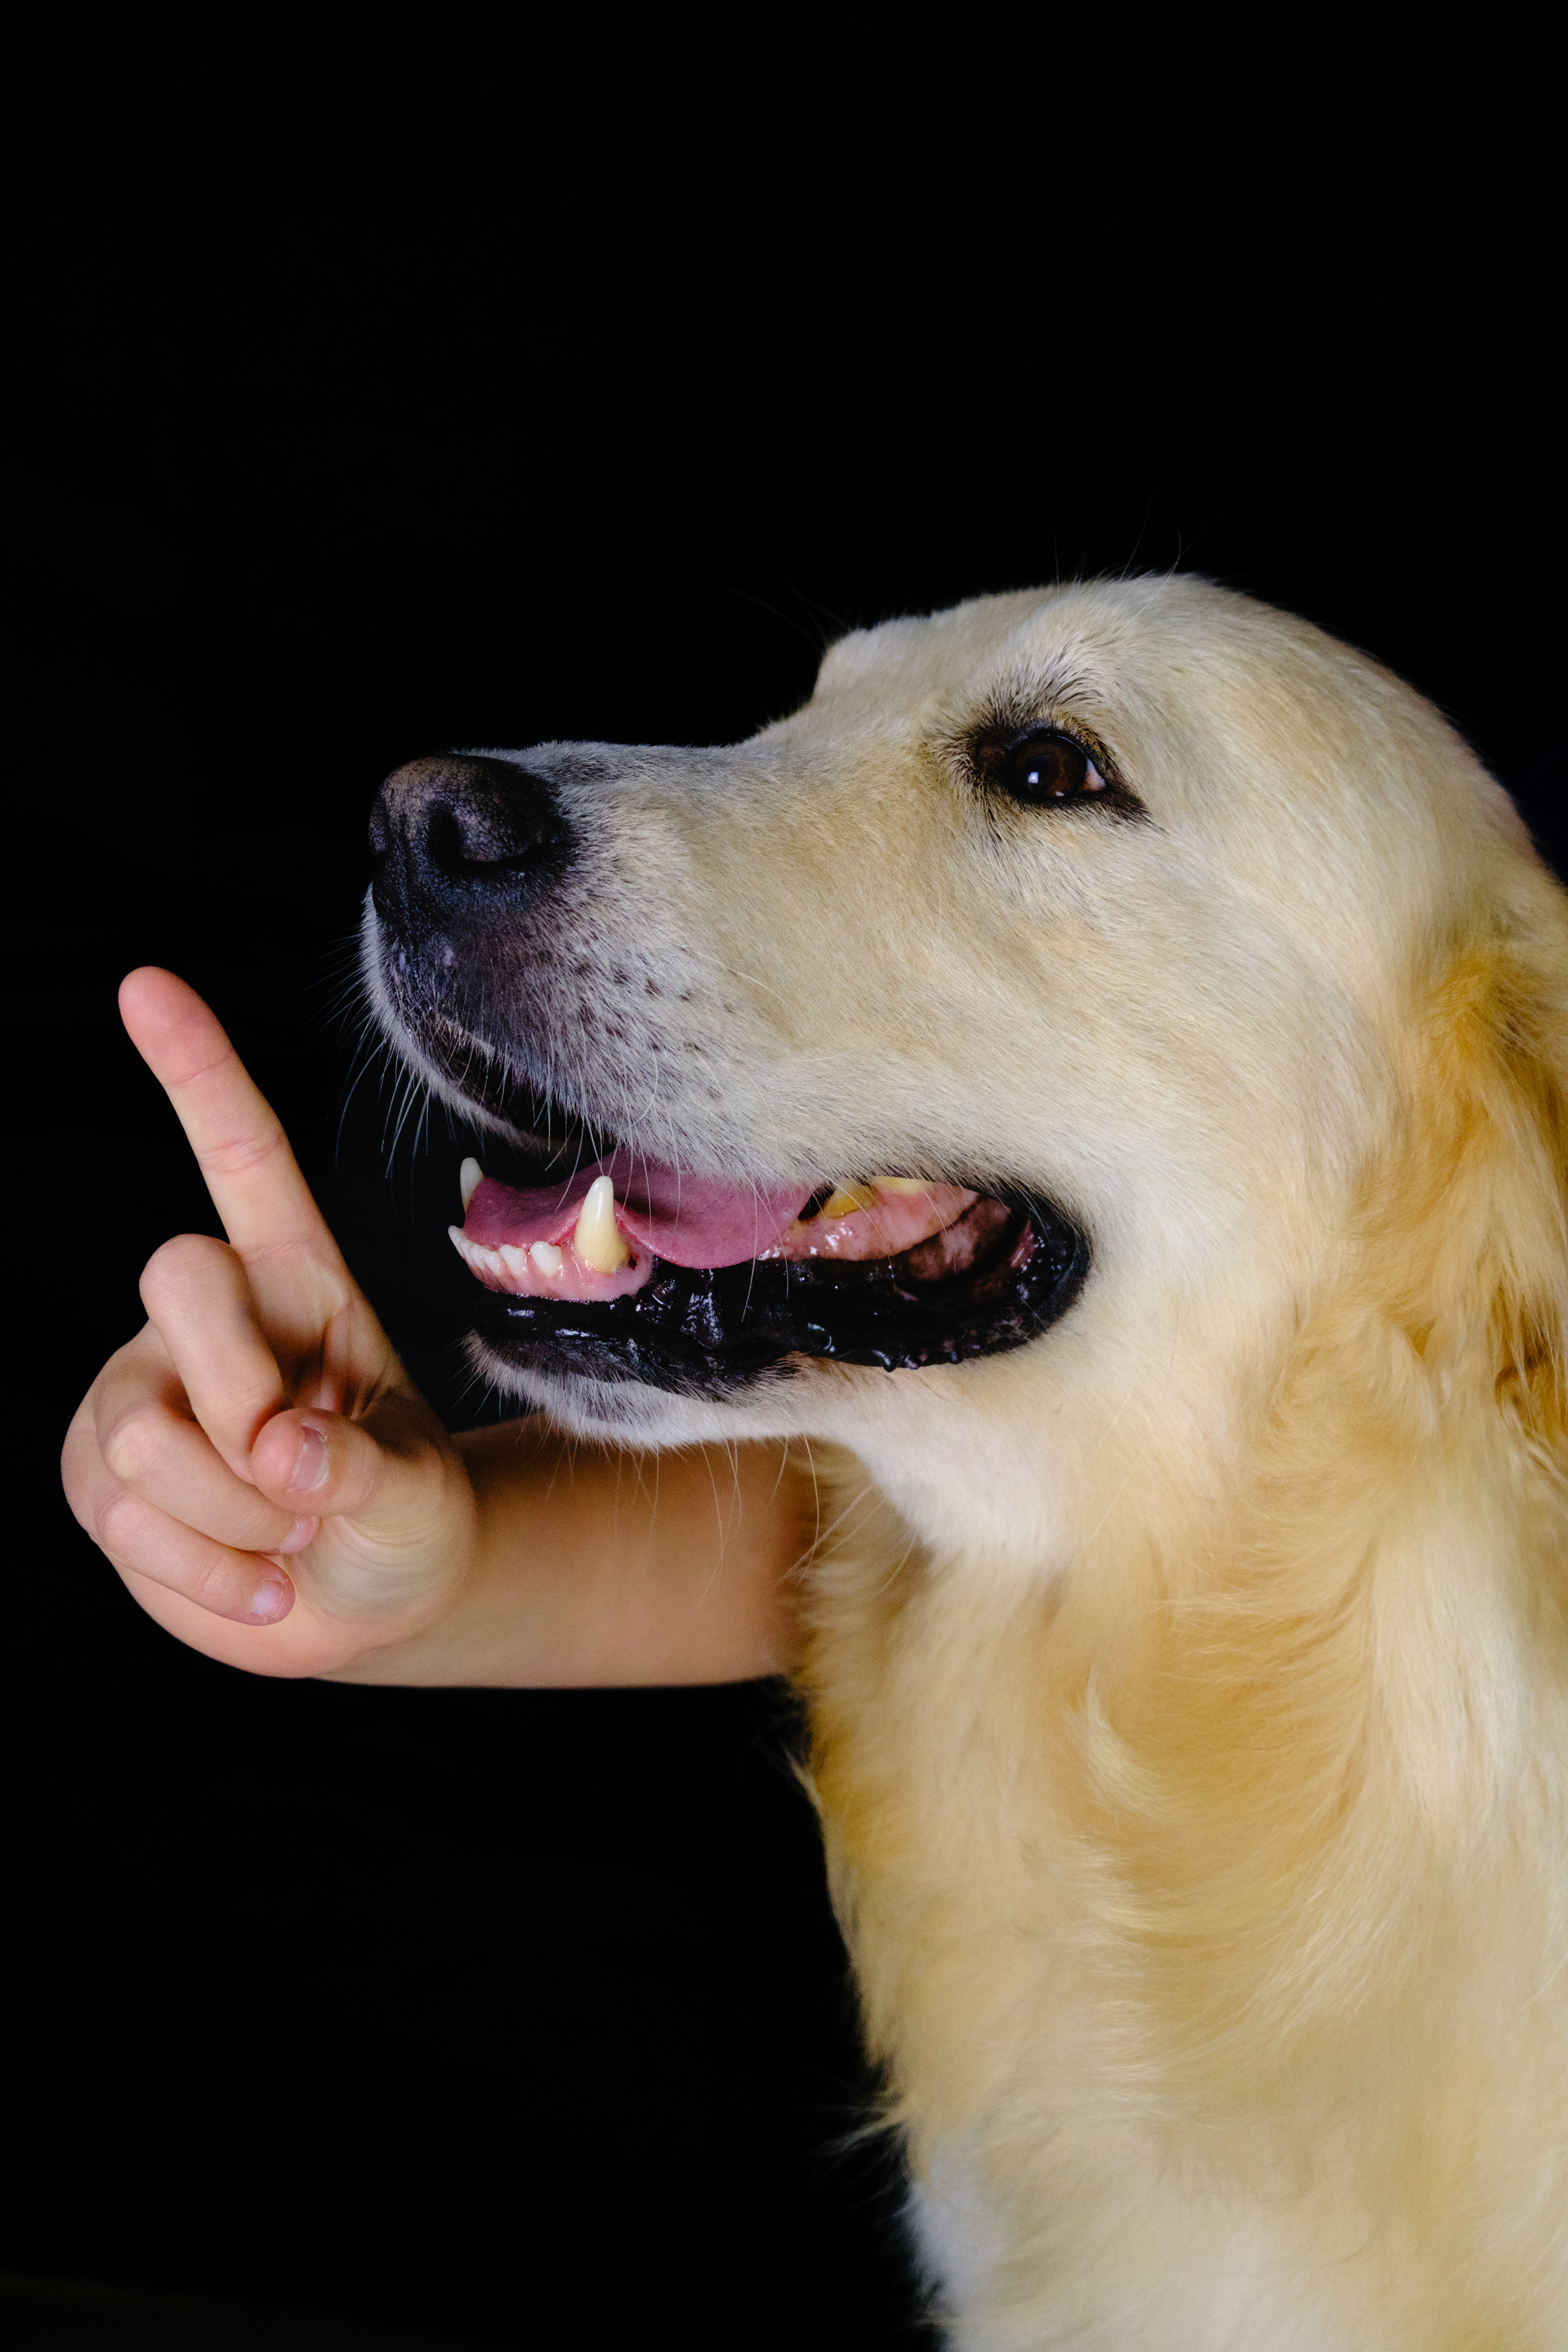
pixel 891 1222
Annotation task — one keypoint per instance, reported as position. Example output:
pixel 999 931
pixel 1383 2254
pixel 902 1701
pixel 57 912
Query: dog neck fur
pixel 1247 1796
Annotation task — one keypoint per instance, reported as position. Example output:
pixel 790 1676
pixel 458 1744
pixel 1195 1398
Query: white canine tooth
pixel 547 1257
pixel 597 1239
pixel 514 1259
pixel 470 1176
pixel 899 1184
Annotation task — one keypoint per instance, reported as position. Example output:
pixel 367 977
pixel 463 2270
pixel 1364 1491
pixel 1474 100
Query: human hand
pixel 255 1463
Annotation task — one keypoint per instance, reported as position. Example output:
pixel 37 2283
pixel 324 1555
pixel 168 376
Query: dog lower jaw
pixel 630 1413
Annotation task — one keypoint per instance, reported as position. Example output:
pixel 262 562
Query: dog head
pixel 975 1066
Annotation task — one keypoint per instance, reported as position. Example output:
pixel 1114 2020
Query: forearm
pixel 595 1566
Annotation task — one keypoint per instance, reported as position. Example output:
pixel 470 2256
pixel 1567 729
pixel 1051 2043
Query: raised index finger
pixel 243 1153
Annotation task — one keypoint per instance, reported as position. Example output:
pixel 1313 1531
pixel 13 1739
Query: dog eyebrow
pixel 1030 694
pixel 1021 698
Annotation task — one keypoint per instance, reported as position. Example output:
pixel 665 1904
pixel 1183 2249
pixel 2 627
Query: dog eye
pixel 1044 770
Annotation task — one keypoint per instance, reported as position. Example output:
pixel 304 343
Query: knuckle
pixel 135 1442
pixel 249 1149
pixel 117 1521
pixel 207 1580
pixel 176 1263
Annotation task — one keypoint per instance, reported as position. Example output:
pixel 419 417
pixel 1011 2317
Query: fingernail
pixel 273 1598
pixel 302 1532
pixel 310 1463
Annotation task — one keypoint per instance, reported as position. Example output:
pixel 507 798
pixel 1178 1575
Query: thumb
pixel 391 1482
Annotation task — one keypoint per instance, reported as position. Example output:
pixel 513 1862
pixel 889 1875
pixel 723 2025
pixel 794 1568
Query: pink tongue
pixel 690 1220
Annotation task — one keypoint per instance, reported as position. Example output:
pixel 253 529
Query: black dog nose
pixel 459 834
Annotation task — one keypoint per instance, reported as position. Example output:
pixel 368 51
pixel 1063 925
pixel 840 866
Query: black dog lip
pixel 709 1331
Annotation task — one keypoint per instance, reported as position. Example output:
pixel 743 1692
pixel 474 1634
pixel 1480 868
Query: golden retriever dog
pixel 1097 1079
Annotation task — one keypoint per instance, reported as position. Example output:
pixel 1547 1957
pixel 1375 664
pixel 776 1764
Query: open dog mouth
pixel 631 1269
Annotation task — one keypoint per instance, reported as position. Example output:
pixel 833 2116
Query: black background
pixel 522 2017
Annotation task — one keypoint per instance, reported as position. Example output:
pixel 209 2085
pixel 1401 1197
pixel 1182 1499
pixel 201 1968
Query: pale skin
pixel 274 1491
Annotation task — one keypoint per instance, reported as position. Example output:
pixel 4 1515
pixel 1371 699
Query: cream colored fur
pixel 1189 1689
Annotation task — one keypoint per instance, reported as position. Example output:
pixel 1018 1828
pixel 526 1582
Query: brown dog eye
pixel 1045 768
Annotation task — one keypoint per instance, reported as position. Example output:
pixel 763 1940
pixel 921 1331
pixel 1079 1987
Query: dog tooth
pixel 547 1257
pixel 843 1202
pixel 470 1176
pixel 597 1239
pixel 516 1259
pixel 900 1184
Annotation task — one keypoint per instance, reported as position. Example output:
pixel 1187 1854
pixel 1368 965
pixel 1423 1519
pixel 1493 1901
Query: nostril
pixel 462 824
pixel 444 844
pixel 480 839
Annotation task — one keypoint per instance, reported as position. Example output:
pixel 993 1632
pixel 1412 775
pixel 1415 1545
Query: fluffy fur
pixel 1189 1689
